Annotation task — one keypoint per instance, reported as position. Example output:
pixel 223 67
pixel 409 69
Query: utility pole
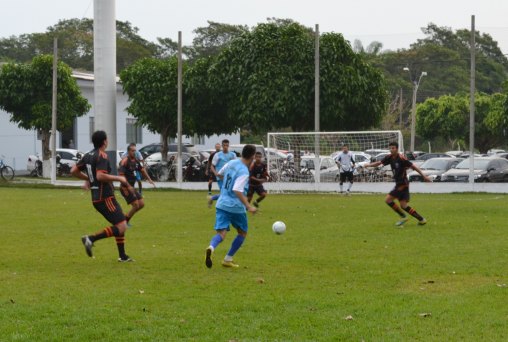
pixel 54 111
pixel 179 109
pixel 471 103
pixel 400 109
pixel 317 159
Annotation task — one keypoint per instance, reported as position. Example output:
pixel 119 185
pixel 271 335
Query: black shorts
pixel 347 175
pixel 400 192
pixel 130 196
pixel 212 177
pixel 259 189
pixel 111 210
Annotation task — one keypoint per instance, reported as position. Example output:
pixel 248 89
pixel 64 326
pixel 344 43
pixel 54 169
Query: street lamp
pixel 416 84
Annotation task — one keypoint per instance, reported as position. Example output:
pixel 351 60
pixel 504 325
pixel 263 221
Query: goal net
pixel 293 158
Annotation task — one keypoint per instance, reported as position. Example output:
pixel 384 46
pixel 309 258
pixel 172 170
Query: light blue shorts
pixel 224 218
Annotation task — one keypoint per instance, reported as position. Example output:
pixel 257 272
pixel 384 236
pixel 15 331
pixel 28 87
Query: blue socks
pixel 235 246
pixel 215 197
pixel 215 241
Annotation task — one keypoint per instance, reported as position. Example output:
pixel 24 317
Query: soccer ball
pixel 279 227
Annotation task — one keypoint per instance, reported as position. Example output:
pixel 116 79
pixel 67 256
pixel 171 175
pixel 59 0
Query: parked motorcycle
pixel 34 165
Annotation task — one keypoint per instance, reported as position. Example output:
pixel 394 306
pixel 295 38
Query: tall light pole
pixel 416 84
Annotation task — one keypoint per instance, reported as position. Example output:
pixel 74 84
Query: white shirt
pixel 346 161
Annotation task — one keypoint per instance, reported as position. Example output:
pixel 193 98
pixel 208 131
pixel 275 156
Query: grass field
pixel 340 257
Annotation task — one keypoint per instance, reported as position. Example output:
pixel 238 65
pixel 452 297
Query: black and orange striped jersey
pixel 93 163
pixel 128 168
pixel 399 165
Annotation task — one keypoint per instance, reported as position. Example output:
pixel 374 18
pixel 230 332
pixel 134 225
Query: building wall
pixel 16 144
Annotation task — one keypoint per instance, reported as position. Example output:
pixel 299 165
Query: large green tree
pixel 447 117
pixel 26 93
pixel 75 42
pixel 267 80
pixel 151 85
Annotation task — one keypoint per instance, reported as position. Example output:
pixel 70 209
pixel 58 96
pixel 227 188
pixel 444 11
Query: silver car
pixel 434 169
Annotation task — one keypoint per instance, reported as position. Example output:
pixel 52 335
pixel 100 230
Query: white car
pixel 69 156
pixel 328 169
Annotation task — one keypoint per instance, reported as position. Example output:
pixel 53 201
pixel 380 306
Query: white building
pixel 16 143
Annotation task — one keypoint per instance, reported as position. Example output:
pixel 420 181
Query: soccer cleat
pixel 348 193
pixel 209 201
pixel 256 204
pixel 125 258
pixel 208 257
pixel 88 245
pixel 229 264
pixel 402 221
pixel 422 222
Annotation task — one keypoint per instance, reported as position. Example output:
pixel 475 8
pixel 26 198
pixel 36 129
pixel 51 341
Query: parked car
pixel 486 169
pixel 328 169
pixel 69 156
pixel 434 169
pixel 424 157
pixel 150 149
pixel 237 148
pixel 374 152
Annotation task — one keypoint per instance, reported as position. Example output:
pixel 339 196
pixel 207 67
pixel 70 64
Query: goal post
pixel 293 158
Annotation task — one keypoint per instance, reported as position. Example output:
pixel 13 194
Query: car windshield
pixel 479 164
pixel 435 164
pixel 307 163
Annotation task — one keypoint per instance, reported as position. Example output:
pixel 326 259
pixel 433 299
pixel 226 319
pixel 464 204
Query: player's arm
pixel 215 160
pixel 221 172
pixel 238 190
pixel 76 172
pixel 145 174
pixel 373 164
pixel 417 169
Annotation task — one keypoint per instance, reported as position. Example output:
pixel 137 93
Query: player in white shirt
pixel 346 162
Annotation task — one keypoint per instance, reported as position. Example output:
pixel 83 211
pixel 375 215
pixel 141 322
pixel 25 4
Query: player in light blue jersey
pixel 232 205
pixel 220 159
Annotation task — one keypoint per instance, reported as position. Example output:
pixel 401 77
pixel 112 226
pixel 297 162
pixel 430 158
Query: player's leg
pixel 210 182
pixel 250 193
pixel 411 211
pixel 350 180
pixel 390 201
pixel 221 228
pixel 342 179
pixel 112 212
pixel 261 195
pixel 216 197
pixel 239 221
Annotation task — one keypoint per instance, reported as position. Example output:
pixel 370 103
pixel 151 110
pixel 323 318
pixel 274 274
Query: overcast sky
pixel 395 23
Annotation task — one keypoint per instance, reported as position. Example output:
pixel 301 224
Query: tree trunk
pixel 164 151
pixel 46 154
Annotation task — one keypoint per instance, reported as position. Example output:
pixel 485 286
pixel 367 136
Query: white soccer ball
pixel 279 227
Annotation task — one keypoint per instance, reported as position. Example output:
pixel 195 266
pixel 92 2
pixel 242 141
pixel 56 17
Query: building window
pixel 91 126
pixel 198 139
pixel 134 132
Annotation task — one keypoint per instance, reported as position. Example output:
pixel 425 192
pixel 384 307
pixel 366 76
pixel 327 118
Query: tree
pixel 75 43
pixel 204 107
pixel 267 80
pixel 210 40
pixel 152 87
pixel 26 93
pixel 448 117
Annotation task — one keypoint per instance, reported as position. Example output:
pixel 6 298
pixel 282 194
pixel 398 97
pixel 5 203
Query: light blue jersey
pixel 236 178
pixel 219 160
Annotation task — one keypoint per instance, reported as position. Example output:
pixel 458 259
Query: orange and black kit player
pixel 399 164
pixel 129 167
pixel 95 169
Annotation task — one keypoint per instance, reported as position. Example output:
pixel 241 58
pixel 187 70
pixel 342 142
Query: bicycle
pixel 6 171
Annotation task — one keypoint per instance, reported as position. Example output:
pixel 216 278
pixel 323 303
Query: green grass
pixel 339 257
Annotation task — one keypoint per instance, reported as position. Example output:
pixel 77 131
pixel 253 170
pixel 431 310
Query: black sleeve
pixel 386 160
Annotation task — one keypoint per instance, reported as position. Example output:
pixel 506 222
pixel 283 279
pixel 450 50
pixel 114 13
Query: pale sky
pixel 395 23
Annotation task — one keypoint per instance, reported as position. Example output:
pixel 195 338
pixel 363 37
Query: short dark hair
pixel 248 151
pixel 131 145
pixel 345 145
pixel 257 152
pixel 393 143
pixel 225 141
pixel 98 138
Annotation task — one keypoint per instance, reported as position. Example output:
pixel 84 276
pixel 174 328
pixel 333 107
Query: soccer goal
pixel 293 158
